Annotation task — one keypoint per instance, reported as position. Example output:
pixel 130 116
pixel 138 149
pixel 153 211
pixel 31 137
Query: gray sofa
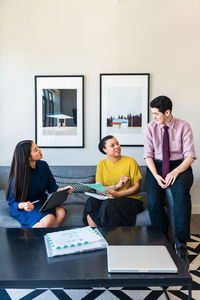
pixel 75 202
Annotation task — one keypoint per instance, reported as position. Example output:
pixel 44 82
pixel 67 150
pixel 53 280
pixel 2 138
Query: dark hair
pixel 20 171
pixel 162 103
pixel 103 143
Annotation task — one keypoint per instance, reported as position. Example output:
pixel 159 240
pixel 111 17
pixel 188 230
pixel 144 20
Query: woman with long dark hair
pixel 28 181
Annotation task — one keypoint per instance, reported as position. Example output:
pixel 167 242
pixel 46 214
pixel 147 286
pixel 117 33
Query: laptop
pixel 140 259
pixel 55 199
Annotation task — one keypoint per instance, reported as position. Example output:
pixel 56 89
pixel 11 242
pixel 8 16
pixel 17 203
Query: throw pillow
pixel 75 182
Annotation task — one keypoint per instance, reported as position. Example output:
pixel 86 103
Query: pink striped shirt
pixel 181 141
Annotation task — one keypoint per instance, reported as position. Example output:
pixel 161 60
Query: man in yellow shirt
pixel 121 176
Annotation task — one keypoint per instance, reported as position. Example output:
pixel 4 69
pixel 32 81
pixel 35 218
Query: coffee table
pixel 24 262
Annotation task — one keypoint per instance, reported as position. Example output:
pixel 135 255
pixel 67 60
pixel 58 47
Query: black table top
pixel 24 262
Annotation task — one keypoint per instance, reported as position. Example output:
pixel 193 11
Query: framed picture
pixel 59 111
pixel 124 107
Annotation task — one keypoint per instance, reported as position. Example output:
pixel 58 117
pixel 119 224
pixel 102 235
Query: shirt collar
pixel 170 124
pixel 37 167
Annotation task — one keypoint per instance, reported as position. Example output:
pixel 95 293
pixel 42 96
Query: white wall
pixel 89 37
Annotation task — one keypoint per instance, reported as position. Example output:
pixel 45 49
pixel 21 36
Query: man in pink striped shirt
pixel 179 178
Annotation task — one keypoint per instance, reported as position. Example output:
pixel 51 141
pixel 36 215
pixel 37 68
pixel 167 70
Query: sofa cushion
pixel 143 218
pixel 144 199
pixel 75 198
pixel 74 206
pixel 6 219
pixel 75 182
pixel 74 215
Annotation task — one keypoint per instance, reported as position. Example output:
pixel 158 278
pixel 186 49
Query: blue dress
pixel 41 180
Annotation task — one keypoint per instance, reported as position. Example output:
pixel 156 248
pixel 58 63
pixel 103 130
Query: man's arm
pixel 171 177
pixel 188 154
pixel 151 165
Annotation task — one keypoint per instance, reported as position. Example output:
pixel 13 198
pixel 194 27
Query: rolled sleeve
pixel 188 142
pixel 148 143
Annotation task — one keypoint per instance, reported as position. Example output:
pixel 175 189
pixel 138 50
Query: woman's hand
pixel 111 192
pixel 27 206
pixel 70 191
pixel 123 181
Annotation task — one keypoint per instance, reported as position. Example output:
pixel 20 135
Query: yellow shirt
pixel 109 173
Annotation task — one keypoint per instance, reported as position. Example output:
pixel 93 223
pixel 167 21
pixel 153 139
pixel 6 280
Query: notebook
pixel 140 259
pixel 98 196
pixel 55 199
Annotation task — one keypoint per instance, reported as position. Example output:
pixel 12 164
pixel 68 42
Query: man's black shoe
pixel 181 251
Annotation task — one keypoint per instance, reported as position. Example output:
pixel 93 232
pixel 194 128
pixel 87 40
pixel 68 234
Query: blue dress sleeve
pixel 51 185
pixel 13 204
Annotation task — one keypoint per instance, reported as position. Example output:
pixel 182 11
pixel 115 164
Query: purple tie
pixel 165 150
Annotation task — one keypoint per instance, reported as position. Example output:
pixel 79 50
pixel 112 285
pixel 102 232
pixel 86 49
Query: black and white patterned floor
pixel 150 293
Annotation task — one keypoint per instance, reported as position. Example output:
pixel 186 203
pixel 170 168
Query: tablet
pixel 55 199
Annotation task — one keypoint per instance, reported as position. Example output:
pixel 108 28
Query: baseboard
pixel 195 209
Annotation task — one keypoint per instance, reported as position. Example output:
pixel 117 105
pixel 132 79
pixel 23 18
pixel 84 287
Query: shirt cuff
pixel 148 154
pixel 190 154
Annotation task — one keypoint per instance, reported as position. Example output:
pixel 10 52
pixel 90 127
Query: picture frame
pixel 124 107
pixel 59 111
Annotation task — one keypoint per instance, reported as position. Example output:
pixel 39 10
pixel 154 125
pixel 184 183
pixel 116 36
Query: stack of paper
pixel 73 240
pixel 99 197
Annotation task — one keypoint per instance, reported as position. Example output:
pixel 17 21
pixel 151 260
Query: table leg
pixel 165 292
pixel 189 292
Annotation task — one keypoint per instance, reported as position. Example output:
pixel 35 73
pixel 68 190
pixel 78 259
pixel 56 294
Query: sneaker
pixel 181 251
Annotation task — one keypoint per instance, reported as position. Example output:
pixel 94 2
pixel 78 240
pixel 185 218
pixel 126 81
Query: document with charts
pixel 73 241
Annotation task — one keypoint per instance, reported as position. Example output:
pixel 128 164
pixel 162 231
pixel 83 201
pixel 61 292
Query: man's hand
pixel 171 177
pixel 169 180
pixel 161 182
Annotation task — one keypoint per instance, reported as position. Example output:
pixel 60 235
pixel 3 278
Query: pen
pixel 35 201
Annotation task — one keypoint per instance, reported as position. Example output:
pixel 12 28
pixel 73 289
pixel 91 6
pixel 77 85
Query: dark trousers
pixel 181 201
pixel 112 212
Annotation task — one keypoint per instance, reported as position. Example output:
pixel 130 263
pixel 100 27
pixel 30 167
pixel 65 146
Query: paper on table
pixel 73 240
pixel 96 186
pixel 72 237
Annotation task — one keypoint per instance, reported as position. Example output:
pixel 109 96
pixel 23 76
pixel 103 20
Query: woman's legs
pixel 91 223
pixel 45 222
pixel 91 212
pixel 50 220
pixel 60 215
pixel 119 212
